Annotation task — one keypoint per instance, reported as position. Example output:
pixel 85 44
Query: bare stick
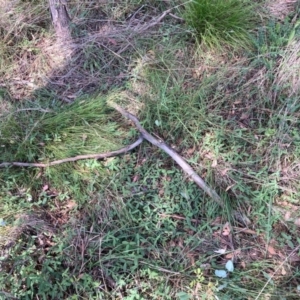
pixel 75 158
pixel 178 217
pixel 175 156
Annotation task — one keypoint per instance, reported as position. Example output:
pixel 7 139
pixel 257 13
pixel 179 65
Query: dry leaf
pixel 45 187
pixel 224 172
pixel 229 187
pixel 136 178
pixel 244 117
pixel 271 250
pixel 209 156
pixel 191 257
pixel 245 230
pixel 226 229
pixel 287 216
pixel 220 251
pixel 214 164
pixel 72 96
pixel 229 255
pixel 216 221
pixel 151 54
pixel 112 41
pixel 180 243
pixel 71 204
pixel 297 222
pixel 191 150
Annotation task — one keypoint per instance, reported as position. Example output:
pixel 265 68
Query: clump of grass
pixel 226 22
pixel 35 134
pixel 231 118
pixel 29 134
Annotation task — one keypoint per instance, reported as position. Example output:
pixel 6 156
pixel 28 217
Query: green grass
pixel 134 227
pixel 222 23
pixel 53 133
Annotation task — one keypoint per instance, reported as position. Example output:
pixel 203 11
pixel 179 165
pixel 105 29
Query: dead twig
pixel 75 158
pixel 177 217
pixel 154 22
pixel 175 156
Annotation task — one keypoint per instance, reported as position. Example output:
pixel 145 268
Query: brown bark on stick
pixel 75 158
pixel 174 155
pixel 60 18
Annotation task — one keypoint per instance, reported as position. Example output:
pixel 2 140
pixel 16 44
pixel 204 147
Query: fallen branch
pixel 175 156
pixel 144 135
pixel 75 158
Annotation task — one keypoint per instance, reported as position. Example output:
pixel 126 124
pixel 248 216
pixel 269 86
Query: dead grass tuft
pixel 95 60
pixel 288 74
pixel 19 18
pixel 281 8
pixel 24 222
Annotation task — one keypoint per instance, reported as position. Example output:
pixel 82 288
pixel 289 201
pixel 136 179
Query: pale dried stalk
pixel 75 158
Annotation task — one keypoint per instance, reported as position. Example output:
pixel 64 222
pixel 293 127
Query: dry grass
pixel 96 59
pixel 23 222
pixel 281 8
pixel 288 73
pixel 22 27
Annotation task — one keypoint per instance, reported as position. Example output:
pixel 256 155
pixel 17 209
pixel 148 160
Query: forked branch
pixel 175 156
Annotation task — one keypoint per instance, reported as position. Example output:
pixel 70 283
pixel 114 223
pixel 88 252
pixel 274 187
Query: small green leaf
pixel 185 195
pixel 183 296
